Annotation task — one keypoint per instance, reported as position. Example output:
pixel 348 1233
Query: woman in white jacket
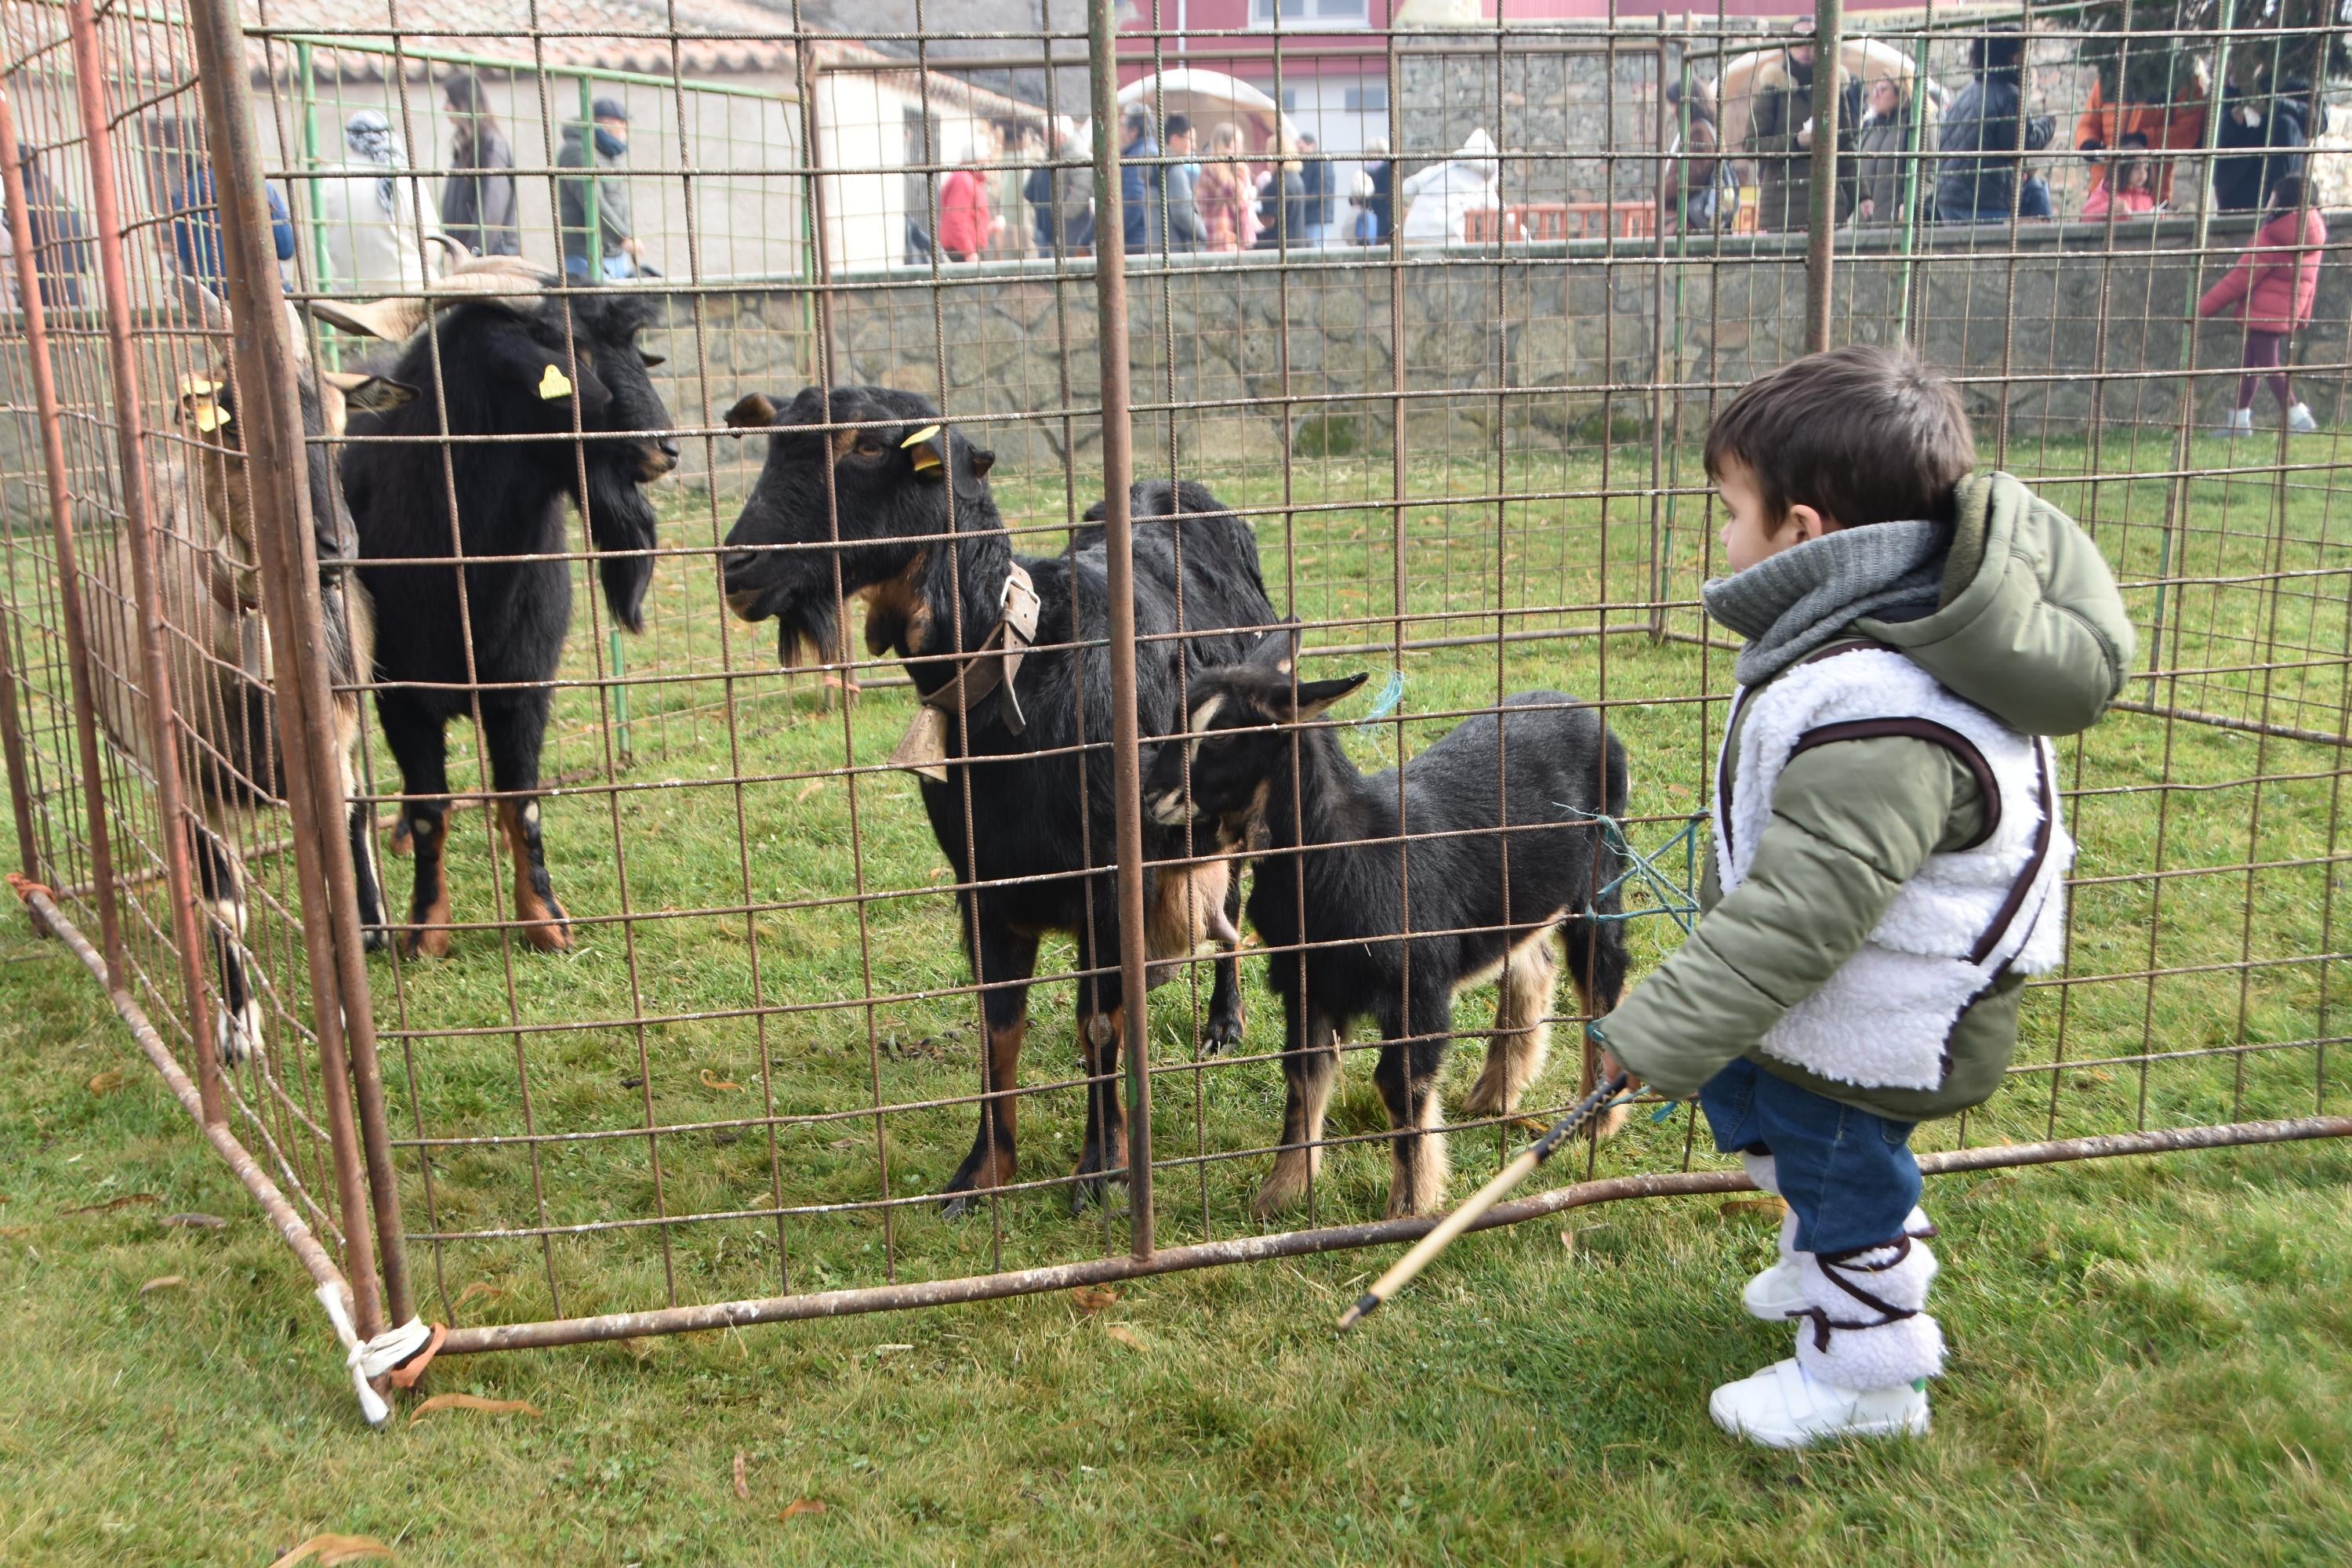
pixel 367 212
pixel 1438 199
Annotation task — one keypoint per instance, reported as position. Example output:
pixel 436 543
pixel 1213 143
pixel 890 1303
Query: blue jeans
pixel 1849 1176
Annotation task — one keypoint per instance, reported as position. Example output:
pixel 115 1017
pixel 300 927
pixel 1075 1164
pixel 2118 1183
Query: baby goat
pixel 1484 901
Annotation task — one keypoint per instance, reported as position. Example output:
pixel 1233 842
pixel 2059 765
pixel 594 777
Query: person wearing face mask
pixel 617 247
pixel 367 213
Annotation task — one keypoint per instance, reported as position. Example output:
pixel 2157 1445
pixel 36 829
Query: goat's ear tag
pixel 210 416
pixel 926 446
pixel 554 383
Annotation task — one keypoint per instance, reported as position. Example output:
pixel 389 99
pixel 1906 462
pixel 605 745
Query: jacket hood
pixel 2028 625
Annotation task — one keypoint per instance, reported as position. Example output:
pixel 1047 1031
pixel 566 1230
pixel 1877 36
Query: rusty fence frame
pixel 364 1267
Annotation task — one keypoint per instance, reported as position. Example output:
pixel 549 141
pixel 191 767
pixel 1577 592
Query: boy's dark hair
pixel 2287 193
pixel 1178 125
pixel 1860 434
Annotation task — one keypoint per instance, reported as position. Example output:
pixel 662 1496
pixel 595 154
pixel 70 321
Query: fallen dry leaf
pixel 472 1402
pixel 743 1482
pixel 329 1549
pixel 1567 1239
pixel 810 788
pixel 164 1282
pixel 1752 1208
pixel 803 1505
pixel 113 1204
pixel 194 1221
pixel 15 1232
pixel 106 1082
pixel 941 873
pixel 480 1290
pixel 711 1080
pixel 1125 1336
pixel 1093 1298
pixel 1529 1124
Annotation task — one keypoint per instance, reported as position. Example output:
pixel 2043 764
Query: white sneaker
pixel 1785 1407
pixel 2240 422
pixel 2299 420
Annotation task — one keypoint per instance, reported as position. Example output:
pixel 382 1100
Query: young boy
pixel 1889 861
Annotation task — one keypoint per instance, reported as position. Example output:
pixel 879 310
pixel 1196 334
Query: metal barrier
pixel 1461 410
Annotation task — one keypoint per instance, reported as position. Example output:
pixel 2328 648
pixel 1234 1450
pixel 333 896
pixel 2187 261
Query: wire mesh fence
pixel 696 994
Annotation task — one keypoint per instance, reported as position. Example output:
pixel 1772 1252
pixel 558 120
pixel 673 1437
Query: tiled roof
pixel 713 37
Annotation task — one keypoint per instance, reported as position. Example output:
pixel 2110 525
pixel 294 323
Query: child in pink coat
pixel 2272 288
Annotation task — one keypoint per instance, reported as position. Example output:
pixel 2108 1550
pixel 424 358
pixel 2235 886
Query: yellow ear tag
pixel 210 416
pixel 198 387
pixel 926 453
pixel 554 384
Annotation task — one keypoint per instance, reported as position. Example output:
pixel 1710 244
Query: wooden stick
pixel 1401 1273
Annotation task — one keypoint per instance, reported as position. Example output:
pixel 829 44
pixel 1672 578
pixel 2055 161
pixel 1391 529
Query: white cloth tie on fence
pixel 371 1359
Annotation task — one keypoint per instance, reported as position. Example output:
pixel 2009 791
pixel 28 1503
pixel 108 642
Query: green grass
pixel 2150 1363
pixel 2151 1366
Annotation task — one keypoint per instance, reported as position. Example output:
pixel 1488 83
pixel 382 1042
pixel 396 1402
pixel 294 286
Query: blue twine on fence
pixel 1384 704
pixel 1678 901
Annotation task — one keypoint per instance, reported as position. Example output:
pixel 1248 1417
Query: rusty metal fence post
pixel 1119 472
pixel 53 455
pixel 89 83
pixel 1821 221
pixel 344 1015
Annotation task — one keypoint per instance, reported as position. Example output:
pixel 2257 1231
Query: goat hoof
pixel 374 939
pixel 1223 1035
pixel 401 841
pixel 427 942
pixel 549 936
pixel 956 1206
pixel 237 1035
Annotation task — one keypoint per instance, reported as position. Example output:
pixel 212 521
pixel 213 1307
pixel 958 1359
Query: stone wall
pixel 1217 346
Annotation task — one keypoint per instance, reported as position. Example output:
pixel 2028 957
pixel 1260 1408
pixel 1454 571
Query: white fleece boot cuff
pixel 1864 1326
pixel 1764 1171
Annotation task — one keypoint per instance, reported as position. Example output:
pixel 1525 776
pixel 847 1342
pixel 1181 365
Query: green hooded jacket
pixel 2028 626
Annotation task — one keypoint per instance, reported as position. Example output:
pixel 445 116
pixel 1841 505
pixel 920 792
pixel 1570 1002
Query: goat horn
pixel 500 280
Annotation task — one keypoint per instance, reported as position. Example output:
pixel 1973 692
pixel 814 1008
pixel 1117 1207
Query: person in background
pixel 1976 181
pixel 1380 169
pixel 1282 200
pixel 478 199
pixel 183 181
pixel 2129 189
pixel 1780 139
pixel 61 247
pixel 1690 195
pixel 1315 178
pixel 367 213
pixel 600 146
pixel 1882 143
pixel 1439 200
pixel 1074 193
pixel 1181 185
pixel 966 224
pixel 2271 289
pixel 2172 128
pixel 2257 118
pixel 1138 184
pixel 1222 194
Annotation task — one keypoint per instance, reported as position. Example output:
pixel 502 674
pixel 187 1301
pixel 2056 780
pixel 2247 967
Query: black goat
pixel 1489 900
pixel 516 366
pixel 222 673
pixel 935 582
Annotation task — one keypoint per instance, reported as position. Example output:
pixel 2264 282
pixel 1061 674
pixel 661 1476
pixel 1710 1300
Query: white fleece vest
pixel 1885 1019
